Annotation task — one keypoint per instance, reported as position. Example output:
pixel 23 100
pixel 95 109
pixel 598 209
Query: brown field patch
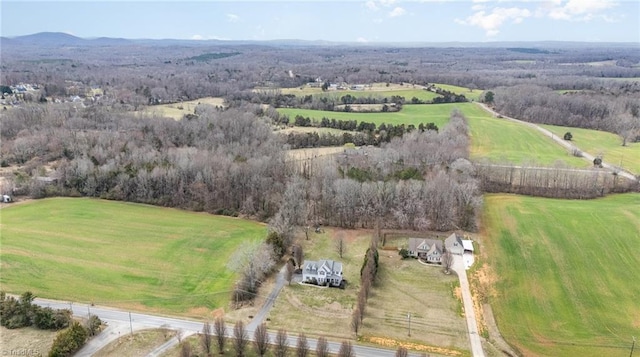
pixel 138 344
pixel 26 341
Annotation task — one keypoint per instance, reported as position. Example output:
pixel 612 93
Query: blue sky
pixel 348 21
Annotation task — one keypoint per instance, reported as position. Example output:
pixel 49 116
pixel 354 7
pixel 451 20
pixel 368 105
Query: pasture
pixel 566 273
pixel 410 114
pixel 497 140
pixel 178 110
pixel 471 94
pixel 376 90
pixel 604 144
pixel 501 140
pixel 127 255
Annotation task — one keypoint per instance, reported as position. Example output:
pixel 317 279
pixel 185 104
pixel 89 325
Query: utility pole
pixel 409 319
pixel 633 344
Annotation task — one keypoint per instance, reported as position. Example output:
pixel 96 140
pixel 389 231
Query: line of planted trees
pixel 556 182
pixel 216 337
pixel 366 134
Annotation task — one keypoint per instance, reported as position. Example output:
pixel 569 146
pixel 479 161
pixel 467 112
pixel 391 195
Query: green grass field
pixel 567 273
pixel 470 94
pixel 502 140
pixel 602 143
pixel 498 140
pixel 410 114
pixel 121 254
pixel 407 92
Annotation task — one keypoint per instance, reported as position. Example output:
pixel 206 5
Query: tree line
pixel 613 110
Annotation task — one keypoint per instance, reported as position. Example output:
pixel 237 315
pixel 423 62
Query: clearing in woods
pixel 178 110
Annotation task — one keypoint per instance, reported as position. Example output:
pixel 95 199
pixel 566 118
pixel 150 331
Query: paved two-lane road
pixel 122 322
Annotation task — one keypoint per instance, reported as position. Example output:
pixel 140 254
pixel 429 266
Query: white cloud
pixel 397 11
pixel 371 5
pixel 197 37
pixel 491 22
pixel 232 17
pixel 361 40
pixel 576 10
pixel 375 5
pixel 478 7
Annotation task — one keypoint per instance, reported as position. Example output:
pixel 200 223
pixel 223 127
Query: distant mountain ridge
pixel 58 39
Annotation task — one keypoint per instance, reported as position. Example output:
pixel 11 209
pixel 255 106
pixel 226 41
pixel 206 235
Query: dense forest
pixel 75 133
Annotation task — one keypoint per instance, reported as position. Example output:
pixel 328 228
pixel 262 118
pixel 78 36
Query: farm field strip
pixel 495 139
pixel 173 110
pixel 564 272
pixel 121 254
pixel 601 143
pixel 407 92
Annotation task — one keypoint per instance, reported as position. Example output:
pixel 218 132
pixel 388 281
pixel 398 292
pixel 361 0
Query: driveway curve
pixel 566 144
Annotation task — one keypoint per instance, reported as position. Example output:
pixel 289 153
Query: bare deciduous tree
pixel 185 349
pixel 252 261
pixel 289 272
pixel 240 339
pixel 341 247
pixel 356 320
pixel 206 338
pixel 220 332
pixel 362 302
pixel 298 254
pixel 401 352
pixel 447 261
pixel 322 347
pixel 261 339
pixel 302 348
pixel 281 344
pixel 346 349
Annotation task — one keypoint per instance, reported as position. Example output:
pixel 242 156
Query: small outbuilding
pixel 6 199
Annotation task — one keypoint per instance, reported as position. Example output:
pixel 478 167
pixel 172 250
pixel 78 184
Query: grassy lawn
pixel 121 254
pixel 427 293
pixel 567 273
pixel 173 110
pixel 323 311
pixel 603 143
pixel 437 325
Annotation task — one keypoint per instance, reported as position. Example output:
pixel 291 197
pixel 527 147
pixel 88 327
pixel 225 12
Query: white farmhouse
pixel 322 272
